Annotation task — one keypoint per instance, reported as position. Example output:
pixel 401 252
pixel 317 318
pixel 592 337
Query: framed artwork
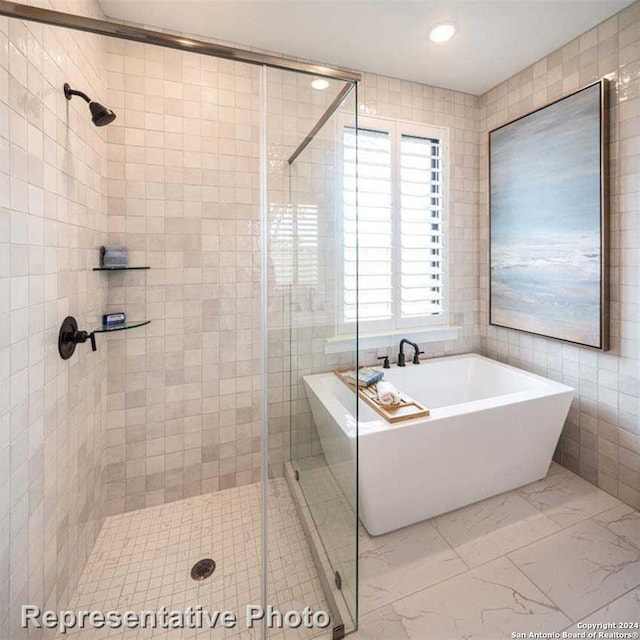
pixel 548 220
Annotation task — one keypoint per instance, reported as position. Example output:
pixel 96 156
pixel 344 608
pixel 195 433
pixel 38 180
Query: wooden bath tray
pixel 408 409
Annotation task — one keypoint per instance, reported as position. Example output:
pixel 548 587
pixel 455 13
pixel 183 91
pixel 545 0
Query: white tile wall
pixel 52 219
pixel 601 439
pixel 183 404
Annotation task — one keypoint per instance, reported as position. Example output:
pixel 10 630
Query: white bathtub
pixel 492 428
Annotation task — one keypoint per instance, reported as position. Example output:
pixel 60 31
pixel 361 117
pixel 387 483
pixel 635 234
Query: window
pixel 400 231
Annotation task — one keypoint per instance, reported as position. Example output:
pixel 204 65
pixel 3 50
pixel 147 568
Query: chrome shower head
pixel 100 115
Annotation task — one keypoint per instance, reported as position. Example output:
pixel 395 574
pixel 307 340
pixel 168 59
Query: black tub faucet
pixel 416 352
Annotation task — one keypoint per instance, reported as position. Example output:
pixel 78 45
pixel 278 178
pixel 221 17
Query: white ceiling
pixel 495 39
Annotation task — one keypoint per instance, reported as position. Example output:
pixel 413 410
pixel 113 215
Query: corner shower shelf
pixel 124 326
pixel 120 268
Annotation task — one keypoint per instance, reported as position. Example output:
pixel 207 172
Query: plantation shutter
pixel 420 227
pixel 400 226
pixel 374 225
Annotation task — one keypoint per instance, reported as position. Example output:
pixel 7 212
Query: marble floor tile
pixel 492 528
pixel 623 609
pixel 581 568
pixel 381 624
pixel 402 562
pixel 624 521
pixel 566 498
pixel 489 602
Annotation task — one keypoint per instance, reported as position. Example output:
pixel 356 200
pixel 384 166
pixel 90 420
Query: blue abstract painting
pixel 546 220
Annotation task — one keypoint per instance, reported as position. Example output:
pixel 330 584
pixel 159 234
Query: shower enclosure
pixel 178 464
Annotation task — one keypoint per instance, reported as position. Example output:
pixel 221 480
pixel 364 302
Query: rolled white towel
pixel 388 394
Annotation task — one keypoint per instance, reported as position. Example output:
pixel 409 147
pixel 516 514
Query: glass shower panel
pixel 311 457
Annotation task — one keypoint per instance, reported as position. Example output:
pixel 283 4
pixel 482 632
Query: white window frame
pixel 396 129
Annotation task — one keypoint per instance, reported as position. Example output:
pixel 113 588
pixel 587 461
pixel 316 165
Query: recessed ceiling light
pixel 320 84
pixel 442 32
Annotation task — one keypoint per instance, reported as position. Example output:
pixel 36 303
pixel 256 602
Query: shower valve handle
pixel 83 336
pixel 69 337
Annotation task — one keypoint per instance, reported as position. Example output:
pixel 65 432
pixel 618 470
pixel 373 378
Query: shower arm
pixel 68 92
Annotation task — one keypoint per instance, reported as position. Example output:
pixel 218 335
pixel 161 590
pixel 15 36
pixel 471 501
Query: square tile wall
pixel 183 392
pixel 52 220
pixel 601 439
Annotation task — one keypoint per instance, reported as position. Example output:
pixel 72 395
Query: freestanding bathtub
pixel 492 428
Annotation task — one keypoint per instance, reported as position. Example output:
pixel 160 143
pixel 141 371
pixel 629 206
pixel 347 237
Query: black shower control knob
pixel 69 337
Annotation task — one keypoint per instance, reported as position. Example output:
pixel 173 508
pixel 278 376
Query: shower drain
pixel 203 569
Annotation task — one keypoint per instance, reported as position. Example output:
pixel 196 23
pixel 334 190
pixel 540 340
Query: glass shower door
pixel 312 190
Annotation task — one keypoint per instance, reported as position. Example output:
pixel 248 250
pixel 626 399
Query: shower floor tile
pixel 142 562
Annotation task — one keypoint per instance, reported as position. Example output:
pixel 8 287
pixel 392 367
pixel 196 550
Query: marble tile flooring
pixel 142 559
pixel 539 559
